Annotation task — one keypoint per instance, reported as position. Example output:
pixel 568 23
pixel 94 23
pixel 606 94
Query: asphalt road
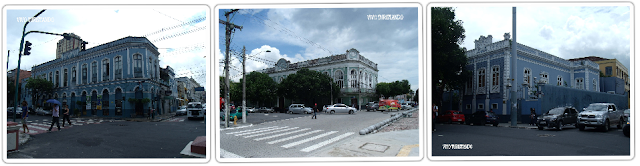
pixel 504 141
pixel 326 131
pixel 257 118
pixel 119 139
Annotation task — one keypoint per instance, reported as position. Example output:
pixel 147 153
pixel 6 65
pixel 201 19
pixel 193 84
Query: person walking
pixel 533 116
pixel 56 117
pixel 315 109
pixel 65 116
pixel 149 113
pixel 434 117
pixel 25 116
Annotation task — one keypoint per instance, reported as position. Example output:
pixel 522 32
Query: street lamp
pixel 20 58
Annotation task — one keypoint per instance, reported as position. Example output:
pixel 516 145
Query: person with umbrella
pixel 55 113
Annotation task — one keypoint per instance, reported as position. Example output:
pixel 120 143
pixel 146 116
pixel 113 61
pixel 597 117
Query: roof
pixel 591 58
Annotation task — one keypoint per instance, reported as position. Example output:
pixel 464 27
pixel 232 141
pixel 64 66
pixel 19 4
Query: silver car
pixel 299 109
pixel 341 108
pixel 182 110
pixel 251 110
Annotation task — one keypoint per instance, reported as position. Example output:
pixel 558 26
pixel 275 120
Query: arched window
pixel 57 79
pixel 150 69
pixel 137 65
pixel 339 78
pixel 118 65
pixel 495 81
pixel 354 77
pixel 105 70
pixel 559 83
pixel 481 78
pixel 73 75
pixel 84 73
pixel 527 76
pixel 580 83
pixel 65 78
pixel 51 77
pixel 94 72
pixel 370 82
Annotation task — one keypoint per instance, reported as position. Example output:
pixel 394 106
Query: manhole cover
pixel 546 135
pixel 374 147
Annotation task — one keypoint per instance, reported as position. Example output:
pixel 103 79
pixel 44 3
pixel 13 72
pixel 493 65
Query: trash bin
pixel 13 131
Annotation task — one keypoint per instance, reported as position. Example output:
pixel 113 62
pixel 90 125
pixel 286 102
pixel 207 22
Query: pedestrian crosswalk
pixel 175 119
pixel 290 137
pixel 39 127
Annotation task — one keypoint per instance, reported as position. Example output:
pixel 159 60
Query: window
pixel 84 73
pixel 73 75
pixel 579 83
pixel 105 70
pixel 155 70
pixel 118 65
pixel 94 72
pixel 339 78
pixel 481 78
pixel 527 76
pixel 480 106
pixel 57 79
pixel 50 77
pixel 494 106
pixel 149 69
pixel 468 106
pixel 496 76
pixel 354 78
pixel 66 78
pixel 544 77
pixel 137 65
pixel 608 70
pixel 595 85
pixel 559 83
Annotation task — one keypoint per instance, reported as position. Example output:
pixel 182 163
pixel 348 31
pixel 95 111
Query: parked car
pixel 324 108
pixel 451 116
pixel 341 108
pixel 40 111
pixel 406 106
pixel 627 112
pixel 232 113
pixel 600 115
pixel 182 110
pixel 299 109
pixel 251 110
pixel 558 118
pixel 10 111
pixel 626 129
pixel 482 117
pixel 372 106
pixel 266 109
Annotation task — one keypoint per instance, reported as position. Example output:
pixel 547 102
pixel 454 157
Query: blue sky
pixel 299 34
pixel 565 31
pixel 101 24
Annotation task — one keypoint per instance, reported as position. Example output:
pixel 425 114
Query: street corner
pixel 409 150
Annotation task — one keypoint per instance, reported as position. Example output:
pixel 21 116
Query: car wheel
pixel 559 125
pixel 580 127
pixel 620 123
pixel 540 128
pixel 332 112
pixel 290 112
pixel 495 124
pixel 606 125
pixel 351 112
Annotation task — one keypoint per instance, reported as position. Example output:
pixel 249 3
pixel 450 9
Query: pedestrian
pixel 149 114
pixel 65 116
pixel 153 111
pixel 56 117
pixel 25 116
pixel 532 122
pixel 315 109
pixel 434 117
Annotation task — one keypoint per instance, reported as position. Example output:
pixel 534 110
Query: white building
pixel 353 72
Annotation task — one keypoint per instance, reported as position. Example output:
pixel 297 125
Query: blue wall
pixel 555 96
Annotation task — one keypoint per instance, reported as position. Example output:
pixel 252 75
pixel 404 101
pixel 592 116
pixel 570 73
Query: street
pixel 505 141
pixel 113 139
pixel 296 137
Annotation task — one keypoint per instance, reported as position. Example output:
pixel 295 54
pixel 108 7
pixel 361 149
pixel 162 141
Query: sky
pixel 186 54
pixel 299 34
pixel 564 31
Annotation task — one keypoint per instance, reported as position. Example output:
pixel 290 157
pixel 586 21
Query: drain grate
pixel 374 147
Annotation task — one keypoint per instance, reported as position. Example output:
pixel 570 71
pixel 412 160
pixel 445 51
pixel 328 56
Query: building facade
pixel 189 85
pixel 356 75
pixel 117 79
pixel 610 68
pixel 489 89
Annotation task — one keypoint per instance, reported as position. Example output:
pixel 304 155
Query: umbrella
pixel 54 101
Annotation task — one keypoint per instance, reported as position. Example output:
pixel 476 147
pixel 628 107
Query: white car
pixel 341 108
pixel 406 106
pixel 250 110
pixel 182 110
pixel 195 110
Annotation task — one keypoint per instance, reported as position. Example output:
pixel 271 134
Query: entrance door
pixel 139 109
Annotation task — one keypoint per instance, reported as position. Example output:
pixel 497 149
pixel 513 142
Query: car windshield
pixel 627 111
pixel 455 112
pixel 555 111
pixel 597 107
pixel 194 106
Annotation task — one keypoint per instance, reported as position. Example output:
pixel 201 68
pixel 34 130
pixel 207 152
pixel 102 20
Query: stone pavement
pixel 399 143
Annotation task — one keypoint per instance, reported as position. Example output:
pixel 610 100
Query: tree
pixel 11 89
pixel 393 89
pixel 38 87
pixel 308 86
pixel 416 98
pixel 448 58
pixel 260 88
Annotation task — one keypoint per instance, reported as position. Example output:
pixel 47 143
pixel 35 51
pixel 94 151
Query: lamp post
pixel 20 58
pixel 244 85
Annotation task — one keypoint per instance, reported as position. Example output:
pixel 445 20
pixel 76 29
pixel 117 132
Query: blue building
pixel 116 79
pixel 490 87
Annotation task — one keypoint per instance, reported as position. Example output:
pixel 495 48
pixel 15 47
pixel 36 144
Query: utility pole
pixel 244 88
pixel 514 73
pixel 229 27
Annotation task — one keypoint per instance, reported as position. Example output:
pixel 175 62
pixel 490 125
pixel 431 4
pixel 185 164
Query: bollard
pixel 13 136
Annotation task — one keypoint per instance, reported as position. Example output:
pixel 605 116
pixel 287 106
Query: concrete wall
pixel 558 96
pixel 612 84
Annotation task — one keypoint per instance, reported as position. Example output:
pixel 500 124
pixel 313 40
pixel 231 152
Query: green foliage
pixel 448 58
pixel 132 100
pixel 144 101
pixel 307 86
pixel 260 88
pixel 39 86
pixel 392 89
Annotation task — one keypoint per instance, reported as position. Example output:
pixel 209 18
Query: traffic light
pixel 27 48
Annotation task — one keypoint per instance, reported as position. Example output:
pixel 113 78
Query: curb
pixel 394 117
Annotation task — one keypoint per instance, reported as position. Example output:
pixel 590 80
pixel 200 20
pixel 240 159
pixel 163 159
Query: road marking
pixel 251 130
pixel 260 131
pixel 273 136
pixel 39 127
pixel 292 137
pixel 321 144
pixel 225 154
pixel 270 132
pixel 406 150
pixel 308 139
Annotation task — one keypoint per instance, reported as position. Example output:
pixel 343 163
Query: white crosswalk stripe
pixel 306 139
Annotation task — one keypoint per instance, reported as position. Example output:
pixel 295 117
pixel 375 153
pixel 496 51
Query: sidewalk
pixel 519 125
pixel 400 143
